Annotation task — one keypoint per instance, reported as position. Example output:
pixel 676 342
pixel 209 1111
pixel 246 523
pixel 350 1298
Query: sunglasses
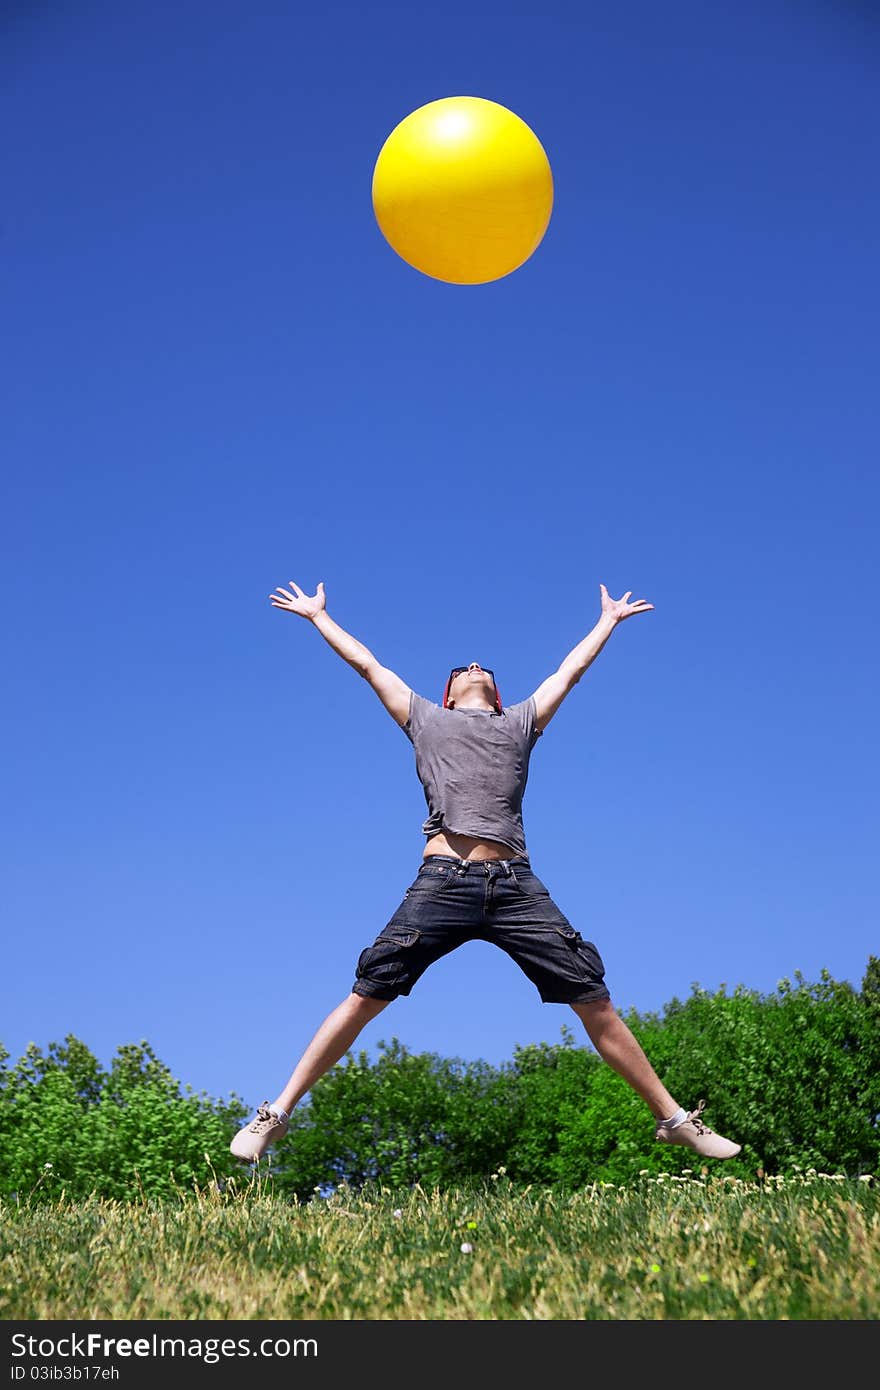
pixel 459 670
pixel 462 670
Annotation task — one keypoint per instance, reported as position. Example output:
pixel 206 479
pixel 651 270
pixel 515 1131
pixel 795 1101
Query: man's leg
pixel 332 1040
pixel 534 932
pixel 435 915
pixel 617 1046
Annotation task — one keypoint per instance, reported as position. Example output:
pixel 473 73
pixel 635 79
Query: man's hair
pixel 455 670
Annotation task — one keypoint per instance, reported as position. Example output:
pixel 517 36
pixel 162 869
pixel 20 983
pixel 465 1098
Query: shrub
pixel 67 1124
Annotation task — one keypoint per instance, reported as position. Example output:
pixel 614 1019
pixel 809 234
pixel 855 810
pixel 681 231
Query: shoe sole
pixel 681 1144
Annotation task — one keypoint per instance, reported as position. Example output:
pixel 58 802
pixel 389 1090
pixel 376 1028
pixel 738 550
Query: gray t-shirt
pixel 473 766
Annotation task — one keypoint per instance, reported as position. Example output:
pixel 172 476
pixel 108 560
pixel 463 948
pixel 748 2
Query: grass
pixel 684 1247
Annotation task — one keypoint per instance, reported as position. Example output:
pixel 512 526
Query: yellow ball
pixel 462 190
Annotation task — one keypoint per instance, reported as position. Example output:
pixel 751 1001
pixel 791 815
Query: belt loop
pixel 507 868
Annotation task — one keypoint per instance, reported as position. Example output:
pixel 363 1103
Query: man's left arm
pixel 551 692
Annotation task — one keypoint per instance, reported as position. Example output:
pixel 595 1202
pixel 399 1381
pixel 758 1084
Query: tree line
pixel 793 1075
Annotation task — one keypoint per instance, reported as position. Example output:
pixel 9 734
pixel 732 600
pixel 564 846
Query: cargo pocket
pixel 585 953
pixel 388 961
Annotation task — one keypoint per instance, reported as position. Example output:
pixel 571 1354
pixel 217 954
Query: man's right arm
pixel 392 691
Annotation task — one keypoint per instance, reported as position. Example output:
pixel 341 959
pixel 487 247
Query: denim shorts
pixel 452 901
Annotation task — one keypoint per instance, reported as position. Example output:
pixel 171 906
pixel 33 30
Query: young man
pixel 475 881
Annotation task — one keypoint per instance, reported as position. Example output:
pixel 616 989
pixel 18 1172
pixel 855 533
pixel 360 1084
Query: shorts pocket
pixel 389 960
pixel 568 931
pixel 528 883
pixel 432 878
pixel 585 951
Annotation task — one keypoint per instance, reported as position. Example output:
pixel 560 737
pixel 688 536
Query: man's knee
pixel 366 1006
pixel 595 1011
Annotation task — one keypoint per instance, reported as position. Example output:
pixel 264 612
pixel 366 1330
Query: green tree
pixel 66 1124
pixel 404 1119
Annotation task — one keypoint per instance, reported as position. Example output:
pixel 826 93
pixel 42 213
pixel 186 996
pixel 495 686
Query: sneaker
pixel 695 1134
pixel 251 1142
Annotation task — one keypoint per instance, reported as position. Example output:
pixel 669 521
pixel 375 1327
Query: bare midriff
pixel 466 847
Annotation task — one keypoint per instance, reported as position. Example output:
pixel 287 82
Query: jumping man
pixel 475 881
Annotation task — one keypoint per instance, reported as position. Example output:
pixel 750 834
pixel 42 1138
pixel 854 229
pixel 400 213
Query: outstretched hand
pixel 298 602
pixel 619 608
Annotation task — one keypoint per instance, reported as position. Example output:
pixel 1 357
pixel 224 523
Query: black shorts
pixel 452 901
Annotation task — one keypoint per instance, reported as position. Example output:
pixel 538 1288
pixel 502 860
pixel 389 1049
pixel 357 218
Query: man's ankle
pixel 674 1120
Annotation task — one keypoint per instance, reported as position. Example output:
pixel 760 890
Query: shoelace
pixel 695 1120
pixel 264 1115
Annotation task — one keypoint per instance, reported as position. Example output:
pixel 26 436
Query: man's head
pixel 471 687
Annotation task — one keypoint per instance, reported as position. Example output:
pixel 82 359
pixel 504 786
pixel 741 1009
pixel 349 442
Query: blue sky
pixel 219 377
